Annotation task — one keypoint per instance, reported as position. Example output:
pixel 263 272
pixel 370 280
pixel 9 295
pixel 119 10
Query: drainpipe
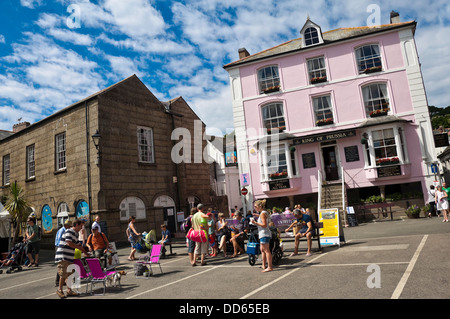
pixel 172 114
pixel 88 162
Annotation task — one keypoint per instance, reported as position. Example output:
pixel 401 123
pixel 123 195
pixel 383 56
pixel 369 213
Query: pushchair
pixel 253 248
pixel 15 259
pixel 145 242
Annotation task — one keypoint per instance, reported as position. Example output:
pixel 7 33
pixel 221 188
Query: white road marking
pixel 282 277
pixel 398 290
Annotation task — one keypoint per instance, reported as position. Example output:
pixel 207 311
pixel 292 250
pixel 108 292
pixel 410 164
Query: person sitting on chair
pixel 165 238
pixel 98 244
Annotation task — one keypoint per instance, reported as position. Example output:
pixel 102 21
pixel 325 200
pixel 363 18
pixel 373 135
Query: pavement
pixel 381 260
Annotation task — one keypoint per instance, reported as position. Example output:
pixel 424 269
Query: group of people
pixel 219 229
pixel 438 201
pixel 73 236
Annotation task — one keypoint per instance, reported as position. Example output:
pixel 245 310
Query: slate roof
pixel 329 37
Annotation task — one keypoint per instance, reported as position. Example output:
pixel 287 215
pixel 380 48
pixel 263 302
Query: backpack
pixel 187 224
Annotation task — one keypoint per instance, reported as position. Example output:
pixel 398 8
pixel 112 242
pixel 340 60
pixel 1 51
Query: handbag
pixel 198 236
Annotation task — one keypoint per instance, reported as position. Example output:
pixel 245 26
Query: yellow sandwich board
pixel 330 220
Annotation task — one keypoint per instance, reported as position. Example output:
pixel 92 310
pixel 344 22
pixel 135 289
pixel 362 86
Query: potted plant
pixel 413 211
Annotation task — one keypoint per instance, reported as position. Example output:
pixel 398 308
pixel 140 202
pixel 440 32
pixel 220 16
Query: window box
pixel 272 89
pixel 387 161
pixel 275 176
pixel 319 80
pixel 275 129
pixel 377 113
pixel 324 122
pixel 372 69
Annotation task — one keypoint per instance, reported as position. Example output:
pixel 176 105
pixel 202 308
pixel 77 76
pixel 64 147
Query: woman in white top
pixel 264 234
pixel 441 198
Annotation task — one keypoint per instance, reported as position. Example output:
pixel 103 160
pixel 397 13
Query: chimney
pixel 20 126
pixel 395 17
pixel 243 53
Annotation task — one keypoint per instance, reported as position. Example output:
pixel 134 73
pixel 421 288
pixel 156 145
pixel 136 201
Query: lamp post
pixel 96 139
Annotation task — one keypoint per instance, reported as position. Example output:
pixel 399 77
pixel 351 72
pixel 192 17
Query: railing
pixel 319 191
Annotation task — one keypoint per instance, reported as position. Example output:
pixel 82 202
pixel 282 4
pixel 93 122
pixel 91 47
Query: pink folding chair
pixel 84 275
pixel 153 258
pixel 97 273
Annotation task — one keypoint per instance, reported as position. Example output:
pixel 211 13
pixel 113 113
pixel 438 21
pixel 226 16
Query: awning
pixel 387 119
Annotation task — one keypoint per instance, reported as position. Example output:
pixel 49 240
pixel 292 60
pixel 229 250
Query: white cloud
pixel 123 67
pixel 2 38
pixel 136 18
pixel 31 4
pixel 44 77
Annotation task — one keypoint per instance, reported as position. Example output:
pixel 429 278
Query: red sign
pixel 244 191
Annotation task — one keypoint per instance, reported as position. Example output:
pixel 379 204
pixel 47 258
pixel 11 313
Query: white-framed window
pixel 60 151
pixel 132 206
pixel 30 162
pixel 323 110
pixel 311 36
pixel 385 146
pixel 316 70
pixel 368 58
pixel 376 99
pixel 277 162
pixel 273 117
pixel 6 169
pixel 268 79
pixel 384 143
pixel 62 214
pixel 145 145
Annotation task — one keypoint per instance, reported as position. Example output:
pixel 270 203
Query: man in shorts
pixel 65 255
pixel 307 230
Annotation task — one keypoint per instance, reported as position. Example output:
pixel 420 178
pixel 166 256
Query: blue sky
pixel 56 52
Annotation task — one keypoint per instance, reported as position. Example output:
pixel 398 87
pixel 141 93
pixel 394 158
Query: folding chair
pixel 97 273
pixel 84 275
pixel 153 258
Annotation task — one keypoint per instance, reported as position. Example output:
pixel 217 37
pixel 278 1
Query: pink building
pixel 347 105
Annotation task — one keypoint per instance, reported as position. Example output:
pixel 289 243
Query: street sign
pixel 244 191
pixel 434 168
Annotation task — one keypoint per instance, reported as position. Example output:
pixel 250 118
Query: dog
pixel 114 280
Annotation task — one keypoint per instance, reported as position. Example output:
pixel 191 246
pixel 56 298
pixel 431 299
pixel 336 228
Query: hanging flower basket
pixel 324 122
pixel 271 89
pixel 373 69
pixel 318 79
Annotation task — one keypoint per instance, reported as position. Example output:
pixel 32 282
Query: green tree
pixel 18 206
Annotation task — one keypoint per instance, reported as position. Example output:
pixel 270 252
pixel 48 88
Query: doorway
pixel 330 163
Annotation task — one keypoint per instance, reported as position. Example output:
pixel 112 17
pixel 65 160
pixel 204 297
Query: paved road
pixel 406 259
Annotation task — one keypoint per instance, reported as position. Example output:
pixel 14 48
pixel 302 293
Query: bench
pixel 318 226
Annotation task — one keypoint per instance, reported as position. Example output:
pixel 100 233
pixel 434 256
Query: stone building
pixel 130 172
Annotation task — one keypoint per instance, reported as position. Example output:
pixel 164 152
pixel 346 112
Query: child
pixel 165 237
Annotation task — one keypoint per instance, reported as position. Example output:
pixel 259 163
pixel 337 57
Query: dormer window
pixel 311 34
